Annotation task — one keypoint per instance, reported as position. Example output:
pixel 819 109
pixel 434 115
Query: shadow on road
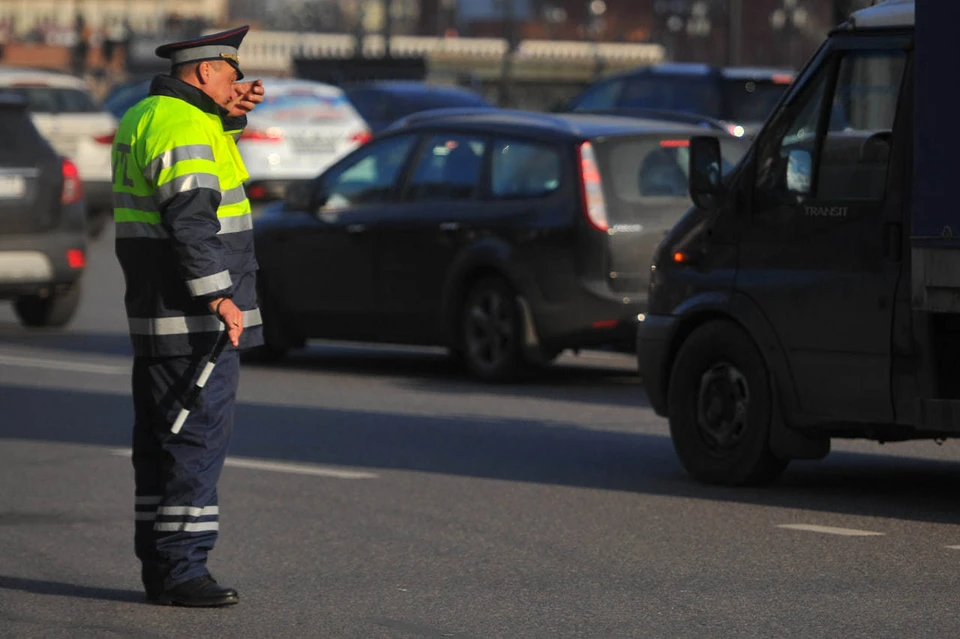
pixel 589 379
pixel 117 344
pixel 507 449
pixel 59 589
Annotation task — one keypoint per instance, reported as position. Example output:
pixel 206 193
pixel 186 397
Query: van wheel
pixel 720 408
pixel 53 311
pixel 490 331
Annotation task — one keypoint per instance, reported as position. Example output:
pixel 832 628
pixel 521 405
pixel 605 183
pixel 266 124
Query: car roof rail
pixel 534 117
pixel 658 114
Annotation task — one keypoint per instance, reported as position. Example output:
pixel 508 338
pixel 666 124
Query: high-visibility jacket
pixel 183 222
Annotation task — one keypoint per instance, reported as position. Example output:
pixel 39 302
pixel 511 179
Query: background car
pixel 741 97
pixel 506 236
pixel 43 222
pixel 67 115
pixel 383 103
pixel 123 96
pixel 300 129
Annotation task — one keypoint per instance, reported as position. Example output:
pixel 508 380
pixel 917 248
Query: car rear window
pixel 17 131
pixel 41 99
pixel 638 169
pixel 305 105
pixel 523 169
pixel 751 100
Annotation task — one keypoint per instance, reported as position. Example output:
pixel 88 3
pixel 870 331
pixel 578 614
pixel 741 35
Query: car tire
pixel 490 331
pixel 52 311
pixel 721 408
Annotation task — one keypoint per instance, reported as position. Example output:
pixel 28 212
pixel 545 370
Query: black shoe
pixel 152 584
pixel 201 592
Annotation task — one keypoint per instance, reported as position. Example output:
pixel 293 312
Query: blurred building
pixel 748 32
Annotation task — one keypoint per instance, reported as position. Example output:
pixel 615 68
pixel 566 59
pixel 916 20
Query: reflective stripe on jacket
pixel 183 221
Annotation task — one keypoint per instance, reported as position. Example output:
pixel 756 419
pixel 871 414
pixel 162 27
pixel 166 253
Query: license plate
pixel 12 187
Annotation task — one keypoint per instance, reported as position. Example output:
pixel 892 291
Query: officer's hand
pixel 246 96
pixel 233 319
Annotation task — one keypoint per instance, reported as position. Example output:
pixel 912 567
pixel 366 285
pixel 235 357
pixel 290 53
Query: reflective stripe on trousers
pixel 176 509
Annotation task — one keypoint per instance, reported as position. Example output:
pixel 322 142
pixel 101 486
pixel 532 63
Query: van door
pixel 815 253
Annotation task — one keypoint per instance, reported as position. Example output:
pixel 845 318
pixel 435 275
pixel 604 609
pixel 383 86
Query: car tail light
pixel 72 186
pixel 594 204
pixel 674 144
pixel 76 258
pixel 784 78
pixel 362 138
pixel 262 135
pixel 736 130
pixel 605 324
pixel 257 192
pixel 105 139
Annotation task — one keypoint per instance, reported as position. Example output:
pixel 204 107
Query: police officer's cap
pixel 216 46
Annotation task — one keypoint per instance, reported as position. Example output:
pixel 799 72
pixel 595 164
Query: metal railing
pixel 275 50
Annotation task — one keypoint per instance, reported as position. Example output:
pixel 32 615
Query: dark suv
pixel 741 97
pixel 42 222
pixel 506 236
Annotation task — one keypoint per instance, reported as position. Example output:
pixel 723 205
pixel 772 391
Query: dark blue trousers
pixel 177 516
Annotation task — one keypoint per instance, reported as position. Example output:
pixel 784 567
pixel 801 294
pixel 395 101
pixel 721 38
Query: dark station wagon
pixel 505 236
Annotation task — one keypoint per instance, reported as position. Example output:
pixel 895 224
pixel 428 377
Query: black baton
pixel 191 398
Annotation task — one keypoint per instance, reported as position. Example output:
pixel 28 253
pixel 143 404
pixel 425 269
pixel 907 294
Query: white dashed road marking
pixel 298 469
pixel 281 467
pixel 830 530
pixel 63 365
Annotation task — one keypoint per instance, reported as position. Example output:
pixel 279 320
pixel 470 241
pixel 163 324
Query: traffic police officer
pixel 185 243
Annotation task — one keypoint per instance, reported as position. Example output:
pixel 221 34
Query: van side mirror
pixel 706 173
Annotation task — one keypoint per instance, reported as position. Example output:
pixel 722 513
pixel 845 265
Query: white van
pixel 66 114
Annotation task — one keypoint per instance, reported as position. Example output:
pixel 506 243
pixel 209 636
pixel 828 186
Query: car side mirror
pixel 706 172
pixel 298 196
pixel 305 196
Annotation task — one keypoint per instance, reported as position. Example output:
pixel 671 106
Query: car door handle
pixel 356 229
pixel 450 226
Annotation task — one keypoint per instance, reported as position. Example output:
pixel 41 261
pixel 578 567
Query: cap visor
pixel 237 67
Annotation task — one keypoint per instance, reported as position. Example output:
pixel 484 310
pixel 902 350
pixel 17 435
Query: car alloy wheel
pixel 490 330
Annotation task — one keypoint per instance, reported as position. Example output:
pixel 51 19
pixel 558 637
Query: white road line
pixel 63 365
pixel 830 530
pixel 953 547
pixel 281 467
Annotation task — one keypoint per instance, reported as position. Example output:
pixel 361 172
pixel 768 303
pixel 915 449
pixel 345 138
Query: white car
pixel 300 129
pixel 67 115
